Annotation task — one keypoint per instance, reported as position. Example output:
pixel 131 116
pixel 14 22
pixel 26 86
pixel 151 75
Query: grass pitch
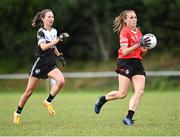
pixel 158 115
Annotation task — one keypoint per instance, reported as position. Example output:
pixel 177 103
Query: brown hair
pixel 37 20
pixel 119 21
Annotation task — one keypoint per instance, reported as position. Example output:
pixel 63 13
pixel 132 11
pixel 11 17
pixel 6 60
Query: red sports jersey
pixel 129 38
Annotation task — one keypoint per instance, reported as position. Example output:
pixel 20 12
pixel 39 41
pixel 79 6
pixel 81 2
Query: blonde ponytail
pixel 119 22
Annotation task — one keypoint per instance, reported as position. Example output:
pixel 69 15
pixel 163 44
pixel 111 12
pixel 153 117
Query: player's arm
pixel 127 50
pixel 142 43
pixel 43 43
pixel 124 42
pixel 56 51
pixel 61 37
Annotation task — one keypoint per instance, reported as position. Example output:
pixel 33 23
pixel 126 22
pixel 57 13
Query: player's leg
pixel 113 95
pixel 32 83
pixel 138 82
pixel 124 83
pixel 56 75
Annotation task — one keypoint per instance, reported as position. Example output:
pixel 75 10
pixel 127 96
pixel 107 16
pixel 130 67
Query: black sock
pixel 103 99
pixel 130 114
pixel 19 109
pixel 50 98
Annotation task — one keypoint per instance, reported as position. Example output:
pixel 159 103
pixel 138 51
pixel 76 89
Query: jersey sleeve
pixel 123 38
pixel 41 37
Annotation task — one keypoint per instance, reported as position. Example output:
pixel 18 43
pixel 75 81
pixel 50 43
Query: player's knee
pixel 122 94
pixel 140 92
pixel 60 83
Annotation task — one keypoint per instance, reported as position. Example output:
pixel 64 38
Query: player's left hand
pixel 144 42
pixel 62 60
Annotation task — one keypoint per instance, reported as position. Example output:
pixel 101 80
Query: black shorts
pixel 41 68
pixel 130 67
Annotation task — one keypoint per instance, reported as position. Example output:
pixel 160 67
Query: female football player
pixel 129 65
pixel 44 65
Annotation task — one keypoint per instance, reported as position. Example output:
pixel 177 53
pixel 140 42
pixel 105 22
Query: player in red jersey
pixel 129 65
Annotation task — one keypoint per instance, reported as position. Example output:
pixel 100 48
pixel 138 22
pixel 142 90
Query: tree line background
pixel 89 23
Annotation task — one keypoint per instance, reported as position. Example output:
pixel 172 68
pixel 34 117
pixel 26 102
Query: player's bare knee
pixel 122 94
pixel 140 92
pixel 60 83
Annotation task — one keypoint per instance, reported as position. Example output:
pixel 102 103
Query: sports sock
pixel 19 109
pixel 130 114
pixel 50 98
pixel 103 99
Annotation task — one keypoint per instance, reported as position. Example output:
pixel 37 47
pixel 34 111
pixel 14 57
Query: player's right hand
pixel 64 35
pixel 144 42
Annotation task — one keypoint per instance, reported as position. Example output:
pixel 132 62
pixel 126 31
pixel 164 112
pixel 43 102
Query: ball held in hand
pixel 152 41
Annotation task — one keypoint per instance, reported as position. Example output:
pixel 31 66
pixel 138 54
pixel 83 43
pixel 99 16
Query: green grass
pixel 158 114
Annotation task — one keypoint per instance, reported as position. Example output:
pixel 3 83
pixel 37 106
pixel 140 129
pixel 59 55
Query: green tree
pixel 89 23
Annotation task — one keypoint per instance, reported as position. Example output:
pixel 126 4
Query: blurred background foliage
pixel 93 45
pixel 89 22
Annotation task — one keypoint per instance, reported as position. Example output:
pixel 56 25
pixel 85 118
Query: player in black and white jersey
pixel 44 65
